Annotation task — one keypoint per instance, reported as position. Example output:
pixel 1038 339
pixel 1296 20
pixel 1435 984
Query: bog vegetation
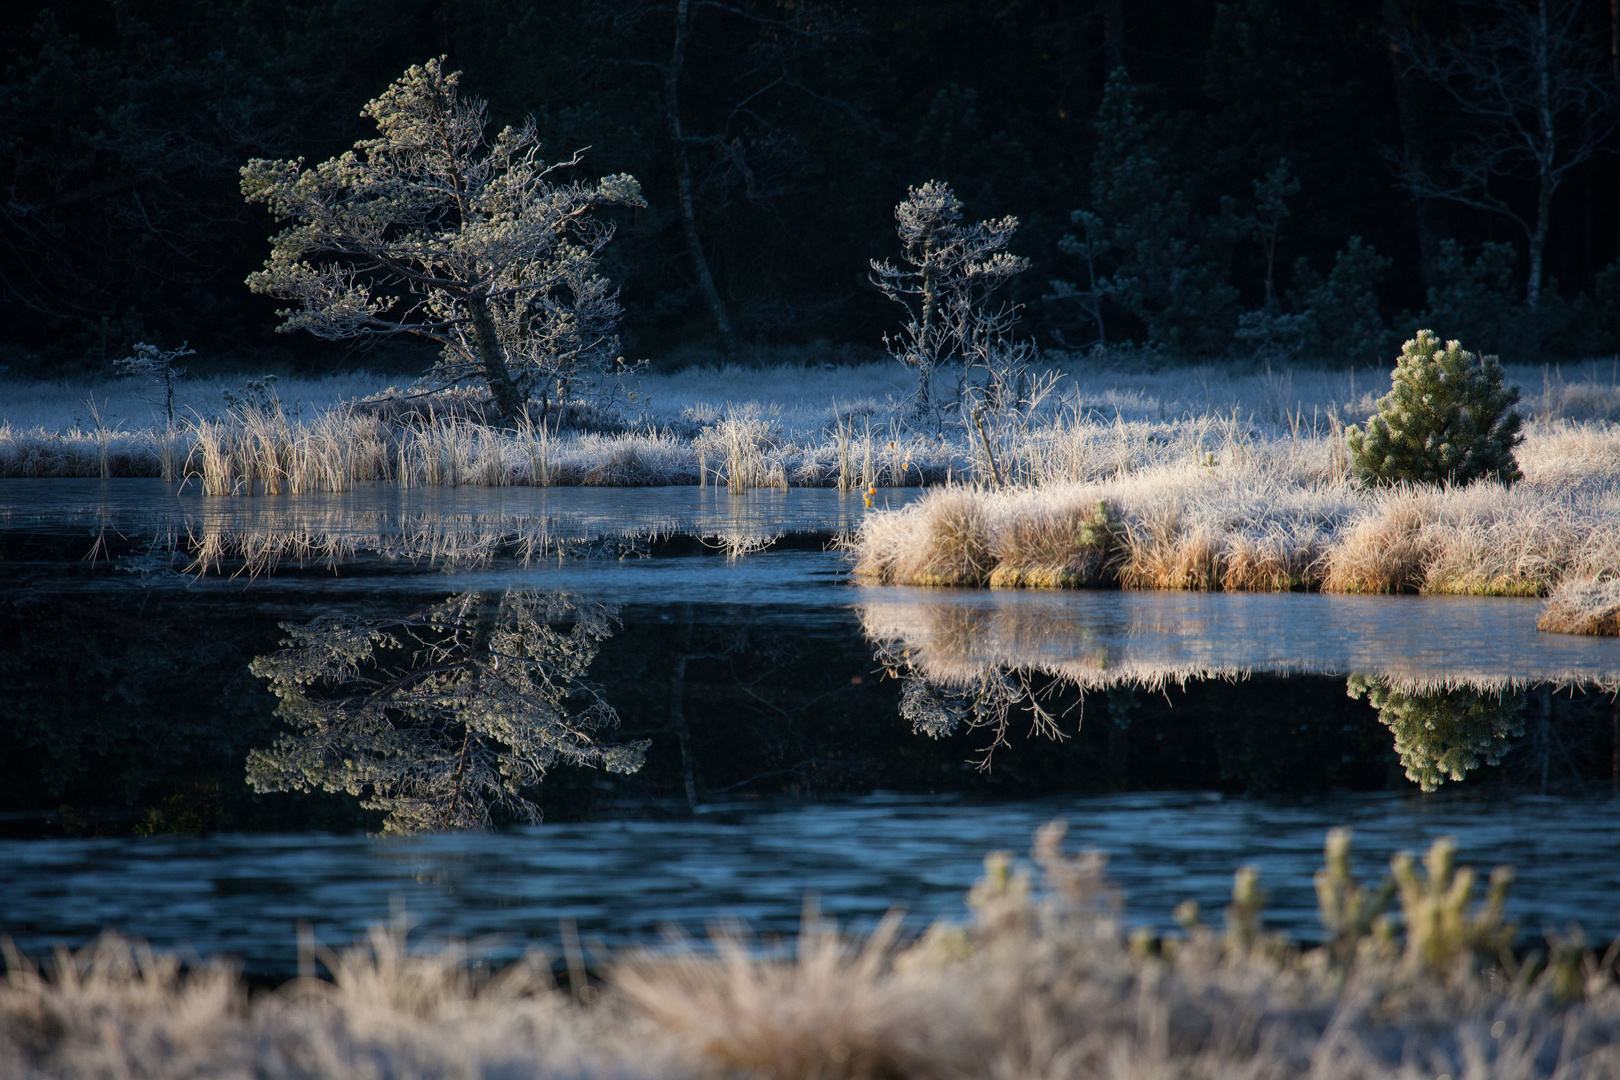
pixel 430 230
pixel 1046 979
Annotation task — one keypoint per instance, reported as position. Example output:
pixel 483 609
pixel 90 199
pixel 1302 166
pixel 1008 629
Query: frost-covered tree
pixel 430 230
pixel 436 717
pixel 157 366
pixel 951 271
pixel 1446 419
pixel 1443 733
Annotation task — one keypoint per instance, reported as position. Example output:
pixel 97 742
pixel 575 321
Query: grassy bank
pixel 1195 506
pixel 1043 983
pixel 740 427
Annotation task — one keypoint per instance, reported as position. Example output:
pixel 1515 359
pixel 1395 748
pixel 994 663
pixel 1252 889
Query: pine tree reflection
pixel 441 717
pixel 1442 733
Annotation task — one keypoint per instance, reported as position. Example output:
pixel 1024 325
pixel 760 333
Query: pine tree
pixel 433 231
pixel 1446 419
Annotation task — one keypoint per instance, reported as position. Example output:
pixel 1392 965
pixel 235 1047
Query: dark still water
pixel 634 709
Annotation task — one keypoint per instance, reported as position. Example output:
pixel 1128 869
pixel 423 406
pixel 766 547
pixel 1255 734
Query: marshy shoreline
pixel 1226 478
pixel 1418 975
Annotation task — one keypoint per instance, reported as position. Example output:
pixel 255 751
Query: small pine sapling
pixel 157 366
pixel 1446 419
pixel 951 269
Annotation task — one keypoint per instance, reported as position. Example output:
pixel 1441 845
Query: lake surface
pixel 797 732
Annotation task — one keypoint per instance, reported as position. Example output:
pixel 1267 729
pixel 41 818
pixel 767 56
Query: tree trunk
pixel 683 178
pixel 503 391
pixel 1549 140
pixel 1538 242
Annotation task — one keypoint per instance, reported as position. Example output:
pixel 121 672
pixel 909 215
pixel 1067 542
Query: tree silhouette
pixel 1538 97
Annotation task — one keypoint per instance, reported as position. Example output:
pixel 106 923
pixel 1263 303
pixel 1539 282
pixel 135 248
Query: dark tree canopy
pixel 773 138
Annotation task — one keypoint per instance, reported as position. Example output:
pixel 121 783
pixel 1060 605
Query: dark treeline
pixel 1211 179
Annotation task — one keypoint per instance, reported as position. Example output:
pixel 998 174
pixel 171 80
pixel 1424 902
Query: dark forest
pixel 1242 176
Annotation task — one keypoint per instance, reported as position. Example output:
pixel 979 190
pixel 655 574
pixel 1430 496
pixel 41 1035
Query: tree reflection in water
pixel 1442 733
pixel 442 716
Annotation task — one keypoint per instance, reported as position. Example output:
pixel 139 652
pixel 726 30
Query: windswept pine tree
pixel 429 230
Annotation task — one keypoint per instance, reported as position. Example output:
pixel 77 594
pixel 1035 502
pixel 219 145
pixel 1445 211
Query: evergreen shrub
pixel 1446 419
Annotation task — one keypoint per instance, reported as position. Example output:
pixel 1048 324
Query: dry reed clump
pixel 942 539
pixel 1479 540
pixel 1272 517
pixel 1166 528
pixel 1583 606
pixel 1062 549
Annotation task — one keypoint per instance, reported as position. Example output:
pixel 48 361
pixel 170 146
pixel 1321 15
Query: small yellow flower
pixel 871 493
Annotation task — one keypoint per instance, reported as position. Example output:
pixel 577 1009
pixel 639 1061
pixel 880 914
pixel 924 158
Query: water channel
pixel 726 724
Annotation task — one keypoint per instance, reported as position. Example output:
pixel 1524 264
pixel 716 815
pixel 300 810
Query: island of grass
pixel 1440 495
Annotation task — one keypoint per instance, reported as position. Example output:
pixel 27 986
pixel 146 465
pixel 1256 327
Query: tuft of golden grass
pixel 942 539
pixel 1066 548
pixel 1586 605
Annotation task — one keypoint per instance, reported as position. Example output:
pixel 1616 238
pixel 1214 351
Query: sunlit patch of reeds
pixel 1414 975
pixel 263 451
pixel 1209 507
pixel 1584 605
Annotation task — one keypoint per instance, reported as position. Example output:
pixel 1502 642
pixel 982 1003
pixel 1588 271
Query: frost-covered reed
pixel 1413 978
pixel 1208 505
pixel 744 427
pixel 1584 605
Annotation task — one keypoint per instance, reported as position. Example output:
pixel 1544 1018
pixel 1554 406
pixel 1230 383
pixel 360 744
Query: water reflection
pixel 457 526
pixel 989 662
pixel 443 717
pixel 1095 640
pixel 1443 733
